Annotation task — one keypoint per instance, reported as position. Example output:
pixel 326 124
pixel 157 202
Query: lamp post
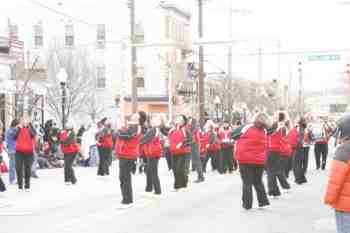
pixel 62 77
pixel 217 103
pixel 300 104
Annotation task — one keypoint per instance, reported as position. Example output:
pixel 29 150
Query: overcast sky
pixel 300 25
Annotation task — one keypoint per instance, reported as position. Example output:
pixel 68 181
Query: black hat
pixel 344 126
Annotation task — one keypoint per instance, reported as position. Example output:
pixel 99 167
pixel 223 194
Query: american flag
pixel 16 48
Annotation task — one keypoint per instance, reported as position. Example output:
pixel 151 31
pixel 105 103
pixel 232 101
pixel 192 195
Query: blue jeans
pixel 12 168
pixel 343 221
pixel 35 164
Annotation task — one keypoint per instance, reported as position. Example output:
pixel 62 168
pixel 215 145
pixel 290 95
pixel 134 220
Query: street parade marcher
pixel 153 152
pixel 212 146
pixel 338 189
pixel 250 152
pixel 2 184
pixel 180 140
pixel 104 145
pixel 142 157
pixel 322 137
pixel 25 142
pixel 11 150
pixel 70 149
pixel 226 148
pixel 286 151
pixel 195 149
pixel 274 165
pixel 127 150
pixel 297 142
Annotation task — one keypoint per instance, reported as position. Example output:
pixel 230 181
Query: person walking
pixel 180 140
pixel 212 146
pixel 322 137
pixel 11 150
pixel 37 150
pixel 337 192
pixel 308 140
pixel 251 147
pixel 153 152
pixel 70 149
pixel 274 165
pixel 24 135
pixel 127 150
pixel 297 142
pixel 286 151
pixel 226 148
pixel 195 149
pixel 2 184
pixel 104 146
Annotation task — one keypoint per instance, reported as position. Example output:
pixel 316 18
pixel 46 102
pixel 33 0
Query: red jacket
pixel 275 141
pixel 293 137
pixel 196 137
pixel 251 146
pixel 225 138
pixel 286 147
pixel 214 147
pixel 106 141
pixel 25 142
pixel 153 149
pixel 70 148
pixel 176 137
pixel 128 149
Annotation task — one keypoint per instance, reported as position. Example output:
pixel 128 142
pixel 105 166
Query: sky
pixel 299 25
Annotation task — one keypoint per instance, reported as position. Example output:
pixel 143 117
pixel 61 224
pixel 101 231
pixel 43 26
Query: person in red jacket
pixel 2 184
pixel 104 146
pixel 297 141
pixel 226 147
pixel 274 165
pixel 153 151
pixel 250 152
pixel 70 149
pixel 321 146
pixel 286 151
pixel 24 135
pixel 212 146
pixel 127 150
pixel 180 140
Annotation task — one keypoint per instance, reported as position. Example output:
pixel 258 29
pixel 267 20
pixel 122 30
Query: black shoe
pixel 199 180
pixel 74 181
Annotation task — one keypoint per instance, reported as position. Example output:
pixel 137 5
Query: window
pixel 101 77
pixel 38 35
pixel 101 36
pixel 140 82
pixel 69 35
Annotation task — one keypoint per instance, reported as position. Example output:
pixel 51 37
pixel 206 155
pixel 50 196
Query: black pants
pixel 251 175
pixel 321 151
pixel 167 156
pixel 275 171
pixel 215 158
pixel 152 182
pixel 69 175
pixel 126 167
pixel 105 155
pixel 24 163
pixel 288 165
pixel 180 171
pixel 196 161
pixel 306 159
pixel 298 166
pixel 227 160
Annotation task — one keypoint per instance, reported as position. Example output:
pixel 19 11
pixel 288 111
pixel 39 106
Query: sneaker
pixel 124 206
pixel 27 190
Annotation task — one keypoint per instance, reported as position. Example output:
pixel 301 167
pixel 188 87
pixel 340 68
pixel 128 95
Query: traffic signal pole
pixel 201 64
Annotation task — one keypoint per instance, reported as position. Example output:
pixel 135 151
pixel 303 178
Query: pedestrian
pixel 142 158
pixel 251 147
pixel 104 146
pixel 193 127
pixel 180 140
pixel 274 165
pixel 37 150
pixel 226 147
pixel 297 141
pixel 25 135
pixel 2 184
pixel 286 151
pixel 153 152
pixel 70 149
pixel 322 136
pixel 308 140
pixel 127 150
pixel 11 150
pixel 212 146
pixel 338 191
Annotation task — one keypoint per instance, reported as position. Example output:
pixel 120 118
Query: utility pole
pixel 260 66
pixel 133 57
pixel 229 60
pixel 201 100
pixel 300 104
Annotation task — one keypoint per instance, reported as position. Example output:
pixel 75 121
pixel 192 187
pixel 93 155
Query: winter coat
pixel 180 136
pixel 225 138
pixel 10 140
pixel 286 147
pixel 151 142
pixel 128 143
pixel 68 142
pixel 25 139
pixel 105 138
pixel 211 141
pixel 338 188
pixel 251 145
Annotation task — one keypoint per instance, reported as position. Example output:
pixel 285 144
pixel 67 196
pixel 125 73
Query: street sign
pixel 330 57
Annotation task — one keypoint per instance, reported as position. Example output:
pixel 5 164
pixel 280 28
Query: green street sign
pixel 324 58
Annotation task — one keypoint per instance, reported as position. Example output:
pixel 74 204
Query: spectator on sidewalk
pixel 338 188
pixel 2 184
pixel 11 150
